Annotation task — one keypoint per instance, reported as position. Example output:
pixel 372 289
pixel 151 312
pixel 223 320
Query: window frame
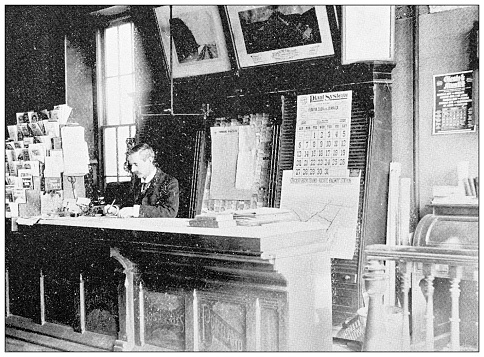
pixel 101 98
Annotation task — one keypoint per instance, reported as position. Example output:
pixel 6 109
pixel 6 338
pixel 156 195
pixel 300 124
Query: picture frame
pixel 271 34
pixel 363 40
pixel 198 45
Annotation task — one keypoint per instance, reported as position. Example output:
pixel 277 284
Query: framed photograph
pixel 363 39
pixel 198 41
pixel 272 34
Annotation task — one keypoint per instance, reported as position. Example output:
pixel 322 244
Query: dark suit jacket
pixel 160 198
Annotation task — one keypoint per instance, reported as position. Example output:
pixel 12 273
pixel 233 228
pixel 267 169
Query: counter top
pixel 180 225
pixel 281 238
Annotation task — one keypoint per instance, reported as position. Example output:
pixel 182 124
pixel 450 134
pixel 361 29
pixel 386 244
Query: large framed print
pixel 272 34
pixel 365 39
pixel 453 109
pixel 198 41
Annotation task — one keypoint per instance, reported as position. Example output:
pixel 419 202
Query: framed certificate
pixel 273 34
pixel 198 41
pixel 363 38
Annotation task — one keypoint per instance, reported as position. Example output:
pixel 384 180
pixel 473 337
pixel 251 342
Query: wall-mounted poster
pixel 279 33
pixel 198 45
pixel 453 111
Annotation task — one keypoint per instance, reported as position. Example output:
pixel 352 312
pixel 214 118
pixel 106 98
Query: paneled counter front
pixel 158 284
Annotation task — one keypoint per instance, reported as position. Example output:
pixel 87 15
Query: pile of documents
pixel 264 215
pixel 466 191
pixel 213 220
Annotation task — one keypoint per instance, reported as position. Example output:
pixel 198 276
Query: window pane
pixel 112 101
pixel 119 89
pixel 127 92
pixel 123 134
pixel 125 49
pixel 110 152
pixel 132 132
pixel 111 51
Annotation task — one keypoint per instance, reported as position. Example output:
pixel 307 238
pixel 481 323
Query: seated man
pixel 153 193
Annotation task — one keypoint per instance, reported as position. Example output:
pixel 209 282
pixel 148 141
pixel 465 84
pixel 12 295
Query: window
pixel 116 104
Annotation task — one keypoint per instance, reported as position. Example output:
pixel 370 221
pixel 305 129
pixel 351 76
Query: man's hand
pixel 126 212
pixel 111 210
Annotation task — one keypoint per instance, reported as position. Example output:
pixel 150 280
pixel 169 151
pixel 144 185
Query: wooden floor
pixel 22 340
pixel 19 345
pixel 28 341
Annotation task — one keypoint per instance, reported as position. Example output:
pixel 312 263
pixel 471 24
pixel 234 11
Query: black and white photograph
pixel 279 33
pixel 241 178
pixel 197 40
pixel 294 26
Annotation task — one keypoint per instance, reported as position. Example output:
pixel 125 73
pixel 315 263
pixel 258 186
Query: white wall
pixel 442 49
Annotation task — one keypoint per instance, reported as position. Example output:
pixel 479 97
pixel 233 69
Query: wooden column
pixel 374 278
pixel 406 269
pixel 82 304
pixel 429 273
pixel 141 315
pixel 129 333
pixel 42 298
pixel 7 296
pixel 456 275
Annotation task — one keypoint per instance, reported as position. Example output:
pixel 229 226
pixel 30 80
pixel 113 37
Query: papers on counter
pixel 28 221
pixel 75 151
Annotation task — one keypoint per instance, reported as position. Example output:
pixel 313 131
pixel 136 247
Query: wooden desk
pixel 181 288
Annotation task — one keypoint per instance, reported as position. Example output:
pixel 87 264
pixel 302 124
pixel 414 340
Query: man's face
pixel 140 167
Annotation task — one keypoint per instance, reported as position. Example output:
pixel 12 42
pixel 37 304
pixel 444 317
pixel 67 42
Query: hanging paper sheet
pixel 334 204
pixel 246 158
pixel 75 151
pixel 225 150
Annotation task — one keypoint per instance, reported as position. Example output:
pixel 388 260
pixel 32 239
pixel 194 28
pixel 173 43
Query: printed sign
pixel 322 135
pixel 453 111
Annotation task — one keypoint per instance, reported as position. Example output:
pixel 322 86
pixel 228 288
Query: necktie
pixel 143 186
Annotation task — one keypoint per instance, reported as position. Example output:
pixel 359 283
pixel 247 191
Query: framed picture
pixel 272 34
pixel 364 39
pixel 198 41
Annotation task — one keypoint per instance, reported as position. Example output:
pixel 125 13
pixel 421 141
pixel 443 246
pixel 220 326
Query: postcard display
pixel 44 157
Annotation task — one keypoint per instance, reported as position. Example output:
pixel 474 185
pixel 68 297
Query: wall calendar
pixel 453 109
pixel 322 137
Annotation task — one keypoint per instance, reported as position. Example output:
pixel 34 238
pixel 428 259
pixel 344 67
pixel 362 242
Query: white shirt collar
pixel 149 177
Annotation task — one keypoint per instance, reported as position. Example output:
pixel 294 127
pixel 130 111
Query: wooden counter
pixel 170 286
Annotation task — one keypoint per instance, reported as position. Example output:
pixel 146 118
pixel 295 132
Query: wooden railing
pixel 428 263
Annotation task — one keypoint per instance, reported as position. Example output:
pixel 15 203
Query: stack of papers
pixel 455 200
pixel 264 215
pixel 61 113
pixel 213 220
pixel 75 151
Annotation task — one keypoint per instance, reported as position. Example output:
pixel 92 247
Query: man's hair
pixel 145 151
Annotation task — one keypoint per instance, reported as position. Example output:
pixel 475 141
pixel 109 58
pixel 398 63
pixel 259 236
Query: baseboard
pixel 55 336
